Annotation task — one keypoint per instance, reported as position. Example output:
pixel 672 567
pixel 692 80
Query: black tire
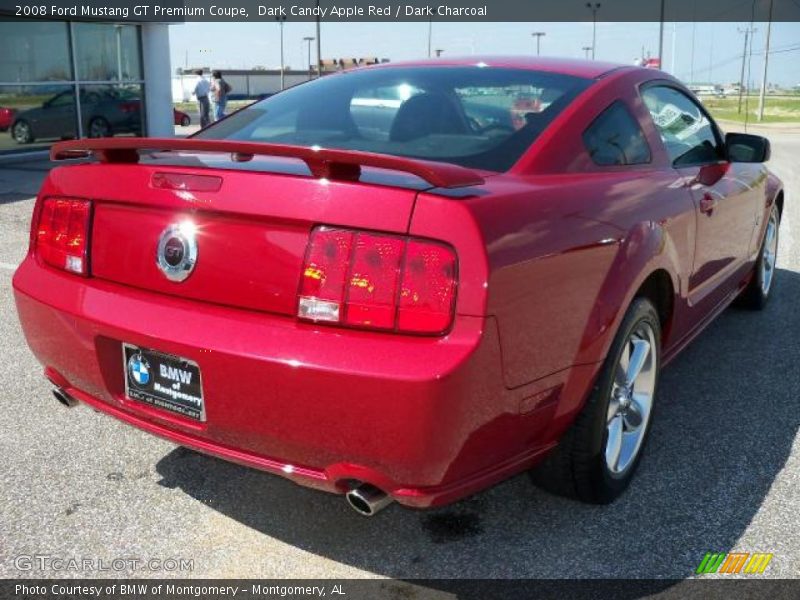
pixel 22 132
pixel 186 121
pixel 99 128
pixel 757 292
pixel 577 468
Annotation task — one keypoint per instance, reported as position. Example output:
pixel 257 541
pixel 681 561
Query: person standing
pixel 219 94
pixel 201 90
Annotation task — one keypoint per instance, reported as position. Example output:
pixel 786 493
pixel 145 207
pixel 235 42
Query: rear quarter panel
pixel 565 257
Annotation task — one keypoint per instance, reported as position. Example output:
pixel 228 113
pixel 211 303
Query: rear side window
pixel 615 138
pixel 690 138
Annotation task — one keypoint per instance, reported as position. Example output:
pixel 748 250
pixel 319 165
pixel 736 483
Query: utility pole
pixel 586 50
pixel 538 35
pixel 319 45
pixel 308 40
pixel 710 58
pixel 661 38
pixel 281 21
pixel 594 7
pixel 674 37
pixel 766 63
pixel 691 67
pixel 747 31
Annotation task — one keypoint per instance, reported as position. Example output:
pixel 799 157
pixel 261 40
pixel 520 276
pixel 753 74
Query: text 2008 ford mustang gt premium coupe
pixel 405 282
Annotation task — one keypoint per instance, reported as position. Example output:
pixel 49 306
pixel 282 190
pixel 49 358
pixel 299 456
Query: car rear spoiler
pixel 323 162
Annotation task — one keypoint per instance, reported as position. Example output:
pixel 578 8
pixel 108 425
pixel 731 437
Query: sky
pixel 694 52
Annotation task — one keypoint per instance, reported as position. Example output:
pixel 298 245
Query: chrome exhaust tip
pixel 367 500
pixel 64 398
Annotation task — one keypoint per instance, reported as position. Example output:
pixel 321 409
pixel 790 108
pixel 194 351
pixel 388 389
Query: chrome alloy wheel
pixel 631 400
pixel 22 132
pixel 770 253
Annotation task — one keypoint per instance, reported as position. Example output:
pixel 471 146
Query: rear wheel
pixel 596 459
pixel 99 128
pixel 186 121
pixel 756 294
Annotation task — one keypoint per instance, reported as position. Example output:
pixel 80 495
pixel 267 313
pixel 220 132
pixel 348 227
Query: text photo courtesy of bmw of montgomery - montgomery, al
pixel 408 298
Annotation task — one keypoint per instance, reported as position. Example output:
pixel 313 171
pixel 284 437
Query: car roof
pixel 590 69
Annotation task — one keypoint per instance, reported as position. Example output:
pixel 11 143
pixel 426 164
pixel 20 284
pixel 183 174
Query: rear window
pixel 476 117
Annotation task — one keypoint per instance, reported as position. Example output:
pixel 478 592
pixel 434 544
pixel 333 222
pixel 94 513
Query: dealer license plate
pixel 167 382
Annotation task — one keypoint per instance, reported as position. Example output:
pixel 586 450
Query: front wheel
pixel 756 294
pixel 22 132
pixel 185 121
pixel 596 459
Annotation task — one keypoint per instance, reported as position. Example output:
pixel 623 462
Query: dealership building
pixel 68 79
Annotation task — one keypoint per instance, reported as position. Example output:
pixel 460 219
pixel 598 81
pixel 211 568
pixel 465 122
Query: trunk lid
pixel 251 233
pixel 251 206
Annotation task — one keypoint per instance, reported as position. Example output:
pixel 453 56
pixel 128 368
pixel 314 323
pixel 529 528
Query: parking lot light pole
pixel 661 38
pixel 430 36
pixel 538 35
pixel 281 21
pixel 586 50
pixel 594 7
pixel 319 44
pixel 308 40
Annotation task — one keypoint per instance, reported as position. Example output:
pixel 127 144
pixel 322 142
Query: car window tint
pixel 472 116
pixel 63 99
pixel 373 109
pixel 615 138
pixel 687 133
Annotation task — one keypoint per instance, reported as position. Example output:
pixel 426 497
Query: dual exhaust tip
pixel 365 498
pixel 64 398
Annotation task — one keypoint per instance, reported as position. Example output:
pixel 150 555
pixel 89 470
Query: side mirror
pixel 746 148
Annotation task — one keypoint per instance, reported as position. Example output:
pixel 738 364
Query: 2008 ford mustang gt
pixel 405 282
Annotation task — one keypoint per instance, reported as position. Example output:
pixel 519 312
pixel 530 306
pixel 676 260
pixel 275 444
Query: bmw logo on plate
pixel 139 370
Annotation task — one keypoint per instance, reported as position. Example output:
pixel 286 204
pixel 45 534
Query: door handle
pixel 707 204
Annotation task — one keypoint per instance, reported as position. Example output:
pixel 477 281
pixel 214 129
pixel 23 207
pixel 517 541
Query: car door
pixel 725 194
pixel 56 117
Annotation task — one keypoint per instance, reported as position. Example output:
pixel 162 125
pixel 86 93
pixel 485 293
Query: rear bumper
pixel 425 419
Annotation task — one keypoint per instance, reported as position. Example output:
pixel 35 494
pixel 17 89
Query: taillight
pixel 378 281
pixel 62 234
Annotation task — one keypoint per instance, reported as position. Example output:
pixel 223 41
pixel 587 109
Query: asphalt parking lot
pixel 721 472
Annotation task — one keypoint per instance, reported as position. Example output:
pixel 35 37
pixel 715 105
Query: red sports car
pixel 6 118
pixel 411 300
pixel 181 118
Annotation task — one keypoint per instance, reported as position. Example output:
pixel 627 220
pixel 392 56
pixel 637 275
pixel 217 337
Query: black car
pixel 104 112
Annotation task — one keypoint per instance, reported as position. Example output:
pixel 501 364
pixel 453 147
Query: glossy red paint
pixel 550 254
pixel 325 163
pixel 590 69
pixel 6 118
pixel 180 117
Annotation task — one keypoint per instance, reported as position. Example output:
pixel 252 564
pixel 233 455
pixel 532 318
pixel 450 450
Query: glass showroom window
pixel 107 52
pixel 34 51
pixel 62 80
